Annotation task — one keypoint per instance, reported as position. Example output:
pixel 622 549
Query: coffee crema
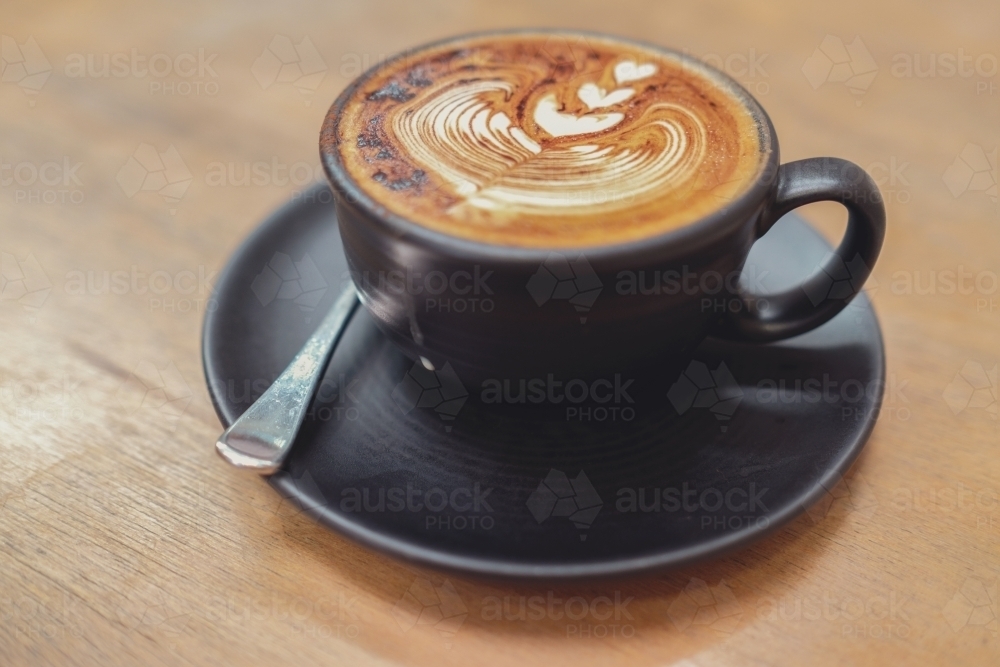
pixel 546 140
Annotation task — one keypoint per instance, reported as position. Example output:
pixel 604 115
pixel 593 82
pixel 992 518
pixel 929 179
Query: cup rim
pixel 707 228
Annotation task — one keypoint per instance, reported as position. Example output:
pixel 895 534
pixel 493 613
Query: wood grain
pixel 124 540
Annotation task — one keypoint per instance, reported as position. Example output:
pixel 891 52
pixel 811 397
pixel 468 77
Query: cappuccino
pixel 547 140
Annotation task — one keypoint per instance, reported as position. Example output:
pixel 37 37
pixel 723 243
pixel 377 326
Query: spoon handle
pixel 263 435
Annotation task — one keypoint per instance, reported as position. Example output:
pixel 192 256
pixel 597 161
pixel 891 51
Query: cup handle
pixel 826 292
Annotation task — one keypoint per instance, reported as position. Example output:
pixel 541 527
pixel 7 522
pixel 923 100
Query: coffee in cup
pixel 532 140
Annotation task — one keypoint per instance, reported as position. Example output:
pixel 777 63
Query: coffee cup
pixel 526 203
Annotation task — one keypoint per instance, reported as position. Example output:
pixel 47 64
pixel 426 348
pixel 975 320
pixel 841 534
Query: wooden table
pixel 125 540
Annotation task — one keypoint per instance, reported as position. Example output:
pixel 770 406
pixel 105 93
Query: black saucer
pixel 694 466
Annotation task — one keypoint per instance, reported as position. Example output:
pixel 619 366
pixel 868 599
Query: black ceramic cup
pixel 491 310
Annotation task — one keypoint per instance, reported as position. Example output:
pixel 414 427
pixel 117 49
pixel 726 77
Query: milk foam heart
pixel 506 139
pixel 628 70
pixel 595 97
pixel 559 124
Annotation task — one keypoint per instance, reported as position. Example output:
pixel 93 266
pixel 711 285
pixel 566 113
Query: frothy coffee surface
pixel 546 140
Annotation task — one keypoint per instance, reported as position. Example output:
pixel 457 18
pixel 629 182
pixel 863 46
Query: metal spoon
pixel 263 435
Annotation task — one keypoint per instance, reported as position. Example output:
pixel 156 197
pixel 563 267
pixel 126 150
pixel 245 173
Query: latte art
pixel 530 141
pixel 493 164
